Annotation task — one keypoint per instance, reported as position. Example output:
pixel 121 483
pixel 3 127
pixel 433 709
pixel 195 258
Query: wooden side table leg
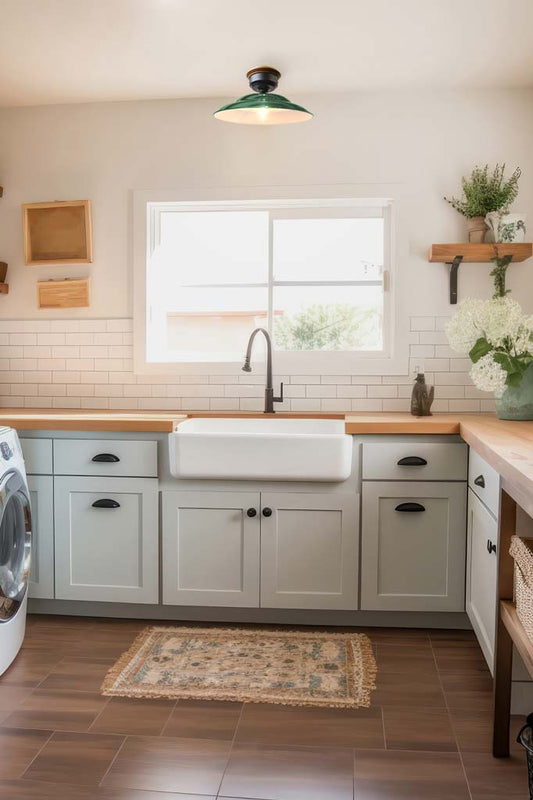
pixel 502 692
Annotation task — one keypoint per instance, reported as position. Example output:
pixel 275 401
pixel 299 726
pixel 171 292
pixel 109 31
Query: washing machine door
pixel 15 543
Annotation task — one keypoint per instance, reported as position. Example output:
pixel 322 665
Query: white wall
pixel 422 142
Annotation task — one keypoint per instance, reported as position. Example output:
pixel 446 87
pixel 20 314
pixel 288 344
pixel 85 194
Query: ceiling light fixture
pixel 263 108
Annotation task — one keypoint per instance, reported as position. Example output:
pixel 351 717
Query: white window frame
pixel 393 359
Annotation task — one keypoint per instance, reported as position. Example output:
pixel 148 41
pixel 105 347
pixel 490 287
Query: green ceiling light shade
pixel 263 108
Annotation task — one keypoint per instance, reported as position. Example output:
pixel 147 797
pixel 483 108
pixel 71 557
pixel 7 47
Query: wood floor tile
pixel 30 667
pixel 18 749
pixel 397 636
pixel 468 690
pixel 283 773
pixel 81 674
pixel 201 719
pixel 459 659
pixel 401 775
pixel 418 729
pixel 473 729
pixel 11 696
pixel 398 658
pixel 78 758
pixel 170 765
pixel 56 709
pixel 496 778
pixel 322 727
pixel 408 689
pixel 137 717
pixel 38 790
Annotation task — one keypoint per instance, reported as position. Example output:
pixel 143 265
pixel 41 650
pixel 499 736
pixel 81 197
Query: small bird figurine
pixel 422 397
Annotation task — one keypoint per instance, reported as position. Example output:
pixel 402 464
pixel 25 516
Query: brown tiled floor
pixel 426 736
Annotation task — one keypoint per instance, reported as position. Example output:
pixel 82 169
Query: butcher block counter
pixel 506 446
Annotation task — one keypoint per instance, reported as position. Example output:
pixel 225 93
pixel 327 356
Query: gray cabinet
pixel 42 527
pixel 482 574
pixel 413 546
pixel 211 548
pixel 309 550
pixel 106 539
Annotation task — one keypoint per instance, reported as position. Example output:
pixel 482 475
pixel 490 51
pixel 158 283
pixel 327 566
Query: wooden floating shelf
pixel 470 253
pixel 479 253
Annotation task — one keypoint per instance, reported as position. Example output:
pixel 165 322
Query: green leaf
pixel 514 379
pixel 480 349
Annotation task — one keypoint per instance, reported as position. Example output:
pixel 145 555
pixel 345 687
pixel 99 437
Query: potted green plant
pixel 484 192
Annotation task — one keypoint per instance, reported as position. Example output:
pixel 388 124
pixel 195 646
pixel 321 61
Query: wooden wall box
pixel 57 233
pixel 63 294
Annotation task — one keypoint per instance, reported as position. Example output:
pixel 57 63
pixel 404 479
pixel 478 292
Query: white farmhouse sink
pixel 252 449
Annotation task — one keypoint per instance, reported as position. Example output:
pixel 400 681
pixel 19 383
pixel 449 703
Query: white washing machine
pixel 15 546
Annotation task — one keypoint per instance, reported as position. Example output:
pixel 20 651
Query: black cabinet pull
pixel 251 512
pixel 412 461
pixel 480 481
pixel 108 458
pixel 106 503
pixel 267 512
pixel 410 507
pixel 491 548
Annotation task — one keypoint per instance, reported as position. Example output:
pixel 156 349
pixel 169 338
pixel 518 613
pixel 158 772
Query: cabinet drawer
pixel 484 481
pixel 105 457
pixel 414 461
pixel 37 456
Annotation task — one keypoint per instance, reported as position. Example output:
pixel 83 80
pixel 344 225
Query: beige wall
pixel 421 142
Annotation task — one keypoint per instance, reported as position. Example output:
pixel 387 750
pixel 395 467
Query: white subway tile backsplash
pixel 88 364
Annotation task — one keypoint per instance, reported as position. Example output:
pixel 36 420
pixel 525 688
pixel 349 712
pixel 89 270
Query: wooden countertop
pixel 507 446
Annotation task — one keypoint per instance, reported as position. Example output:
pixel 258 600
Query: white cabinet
pixel 309 550
pixel 413 546
pixel 211 548
pixel 106 539
pixel 481 575
pixel 42 528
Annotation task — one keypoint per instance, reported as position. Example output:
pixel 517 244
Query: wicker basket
pixel 522 552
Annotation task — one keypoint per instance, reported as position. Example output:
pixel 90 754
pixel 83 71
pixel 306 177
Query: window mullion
pixel 270 299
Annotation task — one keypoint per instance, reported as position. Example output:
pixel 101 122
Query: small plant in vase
pixel 485 192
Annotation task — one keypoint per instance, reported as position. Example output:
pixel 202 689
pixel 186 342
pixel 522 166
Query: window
pixel 314 273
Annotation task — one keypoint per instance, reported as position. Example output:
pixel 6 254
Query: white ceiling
pixel 65 51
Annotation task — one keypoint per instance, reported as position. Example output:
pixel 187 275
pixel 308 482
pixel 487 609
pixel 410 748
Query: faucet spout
pixel 269 389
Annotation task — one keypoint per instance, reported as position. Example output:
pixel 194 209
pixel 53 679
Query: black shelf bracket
pixel 454 269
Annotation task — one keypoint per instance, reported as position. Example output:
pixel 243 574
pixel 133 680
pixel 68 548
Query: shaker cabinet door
pixel 413 546
pixel 211 548
pixel 106 542
pixel 309 550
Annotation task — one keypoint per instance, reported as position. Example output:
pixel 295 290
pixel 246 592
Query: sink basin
pixel 253 448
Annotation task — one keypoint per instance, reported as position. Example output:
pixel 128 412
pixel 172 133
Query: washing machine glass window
pixel 15 543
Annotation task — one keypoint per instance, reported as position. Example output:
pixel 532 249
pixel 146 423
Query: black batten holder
pixel 263 79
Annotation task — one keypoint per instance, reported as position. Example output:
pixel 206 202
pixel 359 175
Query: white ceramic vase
pixel 505 227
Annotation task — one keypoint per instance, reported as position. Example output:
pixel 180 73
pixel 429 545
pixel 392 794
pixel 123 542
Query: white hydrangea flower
pixel 463 330
pixel 501 319
pixel 488 375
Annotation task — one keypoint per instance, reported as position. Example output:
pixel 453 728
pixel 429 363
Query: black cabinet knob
pixel 107 458
pixel 106 503
pixel 480 481
pixel 491 548
pixel 267 512
pixel 251 512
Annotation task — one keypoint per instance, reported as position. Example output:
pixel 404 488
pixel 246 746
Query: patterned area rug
pixel 301 668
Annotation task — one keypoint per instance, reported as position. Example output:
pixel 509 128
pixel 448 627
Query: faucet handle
pixel 280 398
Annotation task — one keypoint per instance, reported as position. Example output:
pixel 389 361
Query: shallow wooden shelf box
pixel 57 233
pixel 467 253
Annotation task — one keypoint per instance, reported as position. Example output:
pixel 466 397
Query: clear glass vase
pixel 517 402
